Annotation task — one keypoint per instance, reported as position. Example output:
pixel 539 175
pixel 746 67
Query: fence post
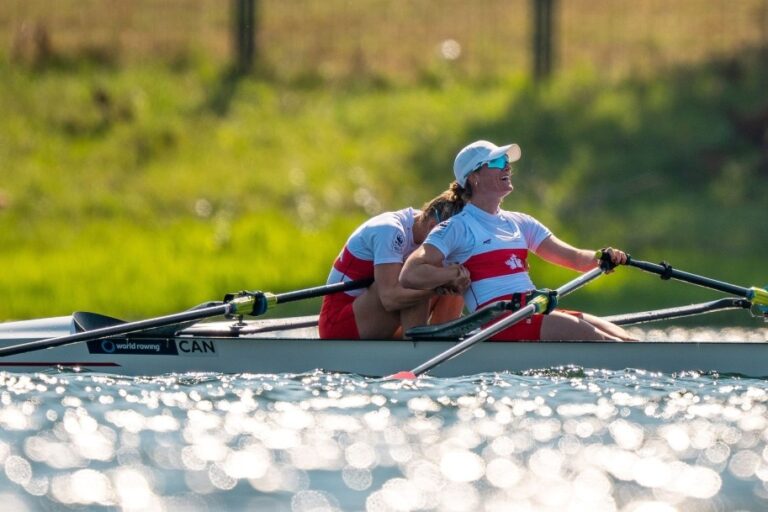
pixel 543 34
pixel 244 34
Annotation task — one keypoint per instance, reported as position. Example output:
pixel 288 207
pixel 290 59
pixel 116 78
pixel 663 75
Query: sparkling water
pixel 562 439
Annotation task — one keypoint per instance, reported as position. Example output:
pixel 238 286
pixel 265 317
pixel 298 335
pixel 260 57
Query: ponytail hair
pixel 464 193
pixel 445 205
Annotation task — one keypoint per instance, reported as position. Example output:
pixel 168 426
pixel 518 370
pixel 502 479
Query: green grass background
pixel 142 189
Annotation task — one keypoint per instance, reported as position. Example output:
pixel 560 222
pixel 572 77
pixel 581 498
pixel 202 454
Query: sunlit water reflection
pixel 557 439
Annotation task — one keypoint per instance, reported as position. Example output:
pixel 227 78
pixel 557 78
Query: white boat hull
pixel 218 351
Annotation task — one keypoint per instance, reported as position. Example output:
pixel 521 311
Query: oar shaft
pixel 319 291
pixel 119 329
pixel 677 312
pixel 579 281
pixel 486 333
pixel 238 305
pixel 680 275
pixel 502 324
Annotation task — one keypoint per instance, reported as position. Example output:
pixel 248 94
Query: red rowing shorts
pixel 528 329
pixel 524 330
pixel 337 318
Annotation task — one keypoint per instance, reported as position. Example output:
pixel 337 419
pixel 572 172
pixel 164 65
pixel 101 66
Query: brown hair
pixel 445 205
pixel 464 193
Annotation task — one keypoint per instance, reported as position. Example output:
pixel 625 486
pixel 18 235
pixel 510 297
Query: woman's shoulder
pixel 455 227
pixel 518 216
pixel 462 217
pixel 397 219
pixel 457 221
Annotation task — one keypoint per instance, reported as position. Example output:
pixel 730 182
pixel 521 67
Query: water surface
pixel 547 439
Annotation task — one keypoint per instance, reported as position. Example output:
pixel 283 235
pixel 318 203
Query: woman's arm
pixel 392 294
pixel 424 270
pixel 561 253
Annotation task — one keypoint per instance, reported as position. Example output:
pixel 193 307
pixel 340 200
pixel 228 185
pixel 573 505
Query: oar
pixel 537 305
pixel 246 303
pixel 678 312
pixel 255 327
pixel 757 296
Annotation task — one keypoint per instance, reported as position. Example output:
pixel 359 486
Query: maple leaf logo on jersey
pixel 514 262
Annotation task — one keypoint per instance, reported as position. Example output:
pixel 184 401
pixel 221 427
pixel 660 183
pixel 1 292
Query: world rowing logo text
pixel 190 347
pixel 134 347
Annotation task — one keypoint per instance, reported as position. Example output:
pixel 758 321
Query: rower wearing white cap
pixel 493 244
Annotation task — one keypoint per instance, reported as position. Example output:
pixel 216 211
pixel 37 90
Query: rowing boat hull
pixel 214 349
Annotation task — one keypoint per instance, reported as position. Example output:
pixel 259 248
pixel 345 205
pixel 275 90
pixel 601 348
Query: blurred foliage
pixel 142 190
pixel 386 42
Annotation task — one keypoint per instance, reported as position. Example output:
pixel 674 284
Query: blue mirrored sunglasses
pixel 497 163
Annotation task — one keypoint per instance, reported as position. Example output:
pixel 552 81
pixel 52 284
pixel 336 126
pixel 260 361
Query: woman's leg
pixel 437 309
pixel 413 316
pixel 558 326
pixel 444 308
pixel 608 327
pixel 375 322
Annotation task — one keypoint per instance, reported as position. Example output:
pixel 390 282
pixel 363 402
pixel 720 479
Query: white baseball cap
pixel 480 152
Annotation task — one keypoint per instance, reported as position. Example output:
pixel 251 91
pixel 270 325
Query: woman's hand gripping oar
pixel 243 303
pixel 539 304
